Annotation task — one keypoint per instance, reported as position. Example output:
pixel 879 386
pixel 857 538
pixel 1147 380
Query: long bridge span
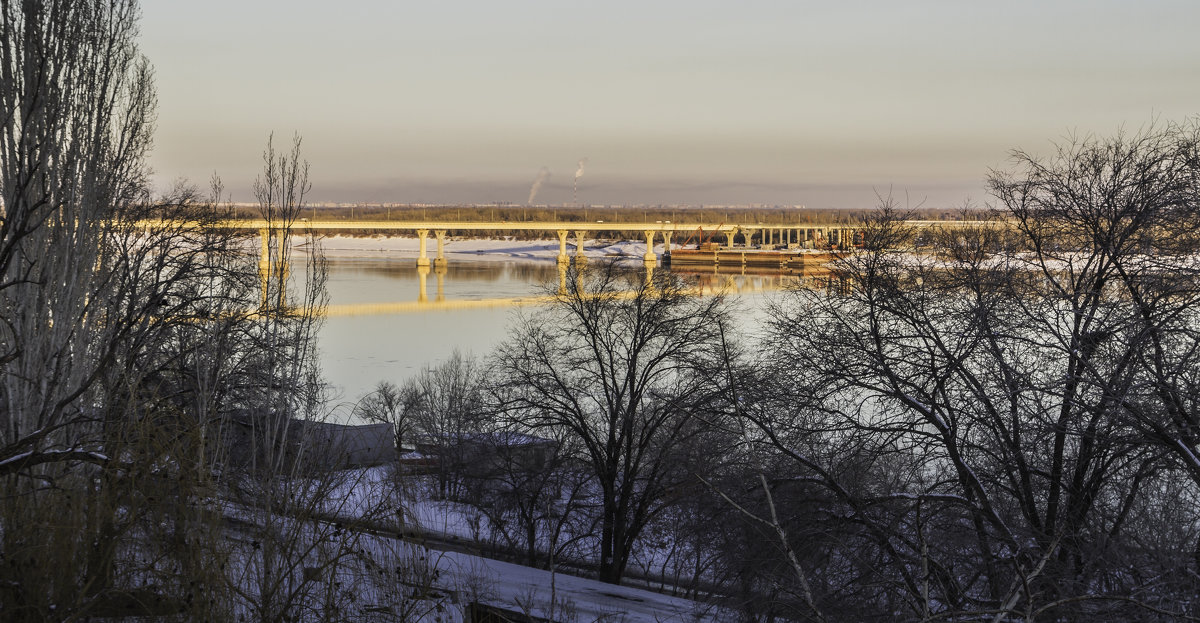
pixel 794 235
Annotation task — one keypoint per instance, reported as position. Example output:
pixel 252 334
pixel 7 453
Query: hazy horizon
pixel 700 102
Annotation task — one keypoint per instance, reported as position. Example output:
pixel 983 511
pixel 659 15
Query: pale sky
pixel 779 102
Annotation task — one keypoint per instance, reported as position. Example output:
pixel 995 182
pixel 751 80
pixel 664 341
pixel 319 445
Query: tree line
pixel 1005 428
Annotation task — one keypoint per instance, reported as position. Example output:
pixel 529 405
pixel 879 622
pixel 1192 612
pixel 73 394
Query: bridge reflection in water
pixel 702 283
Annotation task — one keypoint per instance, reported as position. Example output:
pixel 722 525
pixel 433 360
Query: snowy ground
pixel 465 577
pixel 516 587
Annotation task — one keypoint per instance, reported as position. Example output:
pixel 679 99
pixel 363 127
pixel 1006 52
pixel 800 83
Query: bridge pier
pixel 441 247
pixel 666 247
pixel 580 258
pixel 423 258
pixel 563 258
pixel 649 258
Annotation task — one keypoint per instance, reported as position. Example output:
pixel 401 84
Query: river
pixel 358 350
pixel 383 329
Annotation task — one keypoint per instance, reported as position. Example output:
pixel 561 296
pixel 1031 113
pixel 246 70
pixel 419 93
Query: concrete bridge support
pixel 422 244
pixel 649 258
pixel 563 258
pixel 441 246
pixel 580 258
pixel 666 246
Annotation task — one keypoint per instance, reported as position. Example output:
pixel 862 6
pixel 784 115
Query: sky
pixel 790 102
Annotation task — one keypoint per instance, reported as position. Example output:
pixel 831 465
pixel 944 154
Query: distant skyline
pixel 777 102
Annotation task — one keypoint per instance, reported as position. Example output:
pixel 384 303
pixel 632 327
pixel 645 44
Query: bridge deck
pixel 565 225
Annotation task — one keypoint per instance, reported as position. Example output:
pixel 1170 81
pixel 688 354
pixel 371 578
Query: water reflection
pixel 396 286
pixel 377 281
pixel 387 319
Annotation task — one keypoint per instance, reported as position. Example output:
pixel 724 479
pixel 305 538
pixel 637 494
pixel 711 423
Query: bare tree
pixel 533 492
pixel 88 302
pixel 450 412
pixel 612 365
pixel 994 392
pixel 290 502
pixel 77 115
pixel 394 406
pixel 1121 217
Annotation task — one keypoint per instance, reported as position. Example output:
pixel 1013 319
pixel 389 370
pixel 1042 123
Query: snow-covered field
pixel 463 577
pixel 518 588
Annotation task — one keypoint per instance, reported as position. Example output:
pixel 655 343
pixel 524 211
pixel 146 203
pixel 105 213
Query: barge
pixel 789 260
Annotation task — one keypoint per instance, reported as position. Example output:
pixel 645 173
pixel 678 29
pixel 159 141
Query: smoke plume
pixel 578 174
pixel 542 176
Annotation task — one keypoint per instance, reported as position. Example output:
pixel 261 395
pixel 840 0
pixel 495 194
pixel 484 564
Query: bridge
pixel 796 235
pixel 799 235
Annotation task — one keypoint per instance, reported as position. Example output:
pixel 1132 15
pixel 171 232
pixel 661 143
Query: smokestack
pixel 542 176
pixel 578 174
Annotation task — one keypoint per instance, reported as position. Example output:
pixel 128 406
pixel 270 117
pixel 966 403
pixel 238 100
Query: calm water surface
pixel 358 351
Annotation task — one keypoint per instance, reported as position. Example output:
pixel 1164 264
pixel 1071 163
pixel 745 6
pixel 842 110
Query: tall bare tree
pixel 1119 220
pixel 76 103
pixel 282 486
pixel 449 413
pixel 613 365
pixel 82 300
pixel 1000 393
